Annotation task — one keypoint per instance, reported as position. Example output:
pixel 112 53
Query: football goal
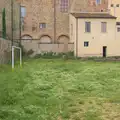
pixel 13 56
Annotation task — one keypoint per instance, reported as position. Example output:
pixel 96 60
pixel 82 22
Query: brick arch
pixel 27 37
pixel 63 39
pixel 45 39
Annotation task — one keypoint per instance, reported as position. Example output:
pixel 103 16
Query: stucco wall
pixel 114 10
pixel 97 39
pixel 5 48
pixel 72 33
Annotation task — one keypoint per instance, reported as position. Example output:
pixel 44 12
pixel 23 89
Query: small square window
pixel 118 29
pixel 112 5
pixel 86 44
pixel 117 5
pixel 42 25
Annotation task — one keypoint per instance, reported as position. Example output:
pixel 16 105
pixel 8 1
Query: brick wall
pixel 16 17
pixel 89 6
pixel 42 11
pixel 46 47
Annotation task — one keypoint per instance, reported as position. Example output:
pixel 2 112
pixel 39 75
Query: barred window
pixel 42 25
pixel 64 6
pixel 86 44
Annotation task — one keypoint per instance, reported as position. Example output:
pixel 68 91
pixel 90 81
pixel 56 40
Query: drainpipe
pixel 12 21
pixel 114 11
pixel 54 21
pixel 76 37
pixel 20 22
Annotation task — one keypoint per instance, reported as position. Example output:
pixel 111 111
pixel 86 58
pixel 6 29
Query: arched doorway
pixel 45 39
pixel 26 38
pixel 63 39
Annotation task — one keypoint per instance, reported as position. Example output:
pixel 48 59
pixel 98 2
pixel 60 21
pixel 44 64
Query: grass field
pixel 60 90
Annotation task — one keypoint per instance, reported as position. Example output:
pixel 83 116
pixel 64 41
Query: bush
pixel 55 55
pixel 65 57
pixel 70 53
pixel 30 52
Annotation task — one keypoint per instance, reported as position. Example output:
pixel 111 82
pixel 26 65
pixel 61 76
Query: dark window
pixel 117 5
pixel 118 29
pixel 86 44
pixel 112 5
pixel 64 6
pixel 103 27
pixel 117 23
pixel 87 26
pixel 42 25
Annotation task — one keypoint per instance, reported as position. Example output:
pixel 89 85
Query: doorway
pixel 104 51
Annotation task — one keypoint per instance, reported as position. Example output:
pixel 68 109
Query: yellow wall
pixel 72 21
pixel 114 10
pixel 97 39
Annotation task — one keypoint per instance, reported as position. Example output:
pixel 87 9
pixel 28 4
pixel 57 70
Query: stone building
pixel 90 6
pixel 48 20
pixel 16 18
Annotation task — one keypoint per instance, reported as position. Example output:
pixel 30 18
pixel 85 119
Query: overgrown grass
pixel 46 89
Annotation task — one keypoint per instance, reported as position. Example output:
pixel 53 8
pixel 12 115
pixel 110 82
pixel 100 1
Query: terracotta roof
pixel 93 15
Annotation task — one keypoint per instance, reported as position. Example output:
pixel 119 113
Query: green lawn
pixel 60 90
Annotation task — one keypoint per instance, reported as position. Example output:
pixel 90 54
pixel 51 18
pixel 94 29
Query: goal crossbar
pixel 13 56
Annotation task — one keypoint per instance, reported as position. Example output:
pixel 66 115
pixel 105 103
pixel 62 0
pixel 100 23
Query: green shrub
pixel 70 53
pixel 30 52
pixel 65 57
pixel 51 54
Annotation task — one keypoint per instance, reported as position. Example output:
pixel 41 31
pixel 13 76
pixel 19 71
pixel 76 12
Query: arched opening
pixel 26 38
pixel 63 39
pixel 45 39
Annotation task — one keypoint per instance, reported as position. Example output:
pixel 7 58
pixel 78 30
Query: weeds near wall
pixel 51 55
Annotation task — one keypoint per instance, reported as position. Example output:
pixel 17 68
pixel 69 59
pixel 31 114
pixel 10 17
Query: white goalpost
pixel 13 56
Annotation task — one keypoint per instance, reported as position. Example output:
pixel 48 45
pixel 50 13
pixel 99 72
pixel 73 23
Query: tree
pixel 4 24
